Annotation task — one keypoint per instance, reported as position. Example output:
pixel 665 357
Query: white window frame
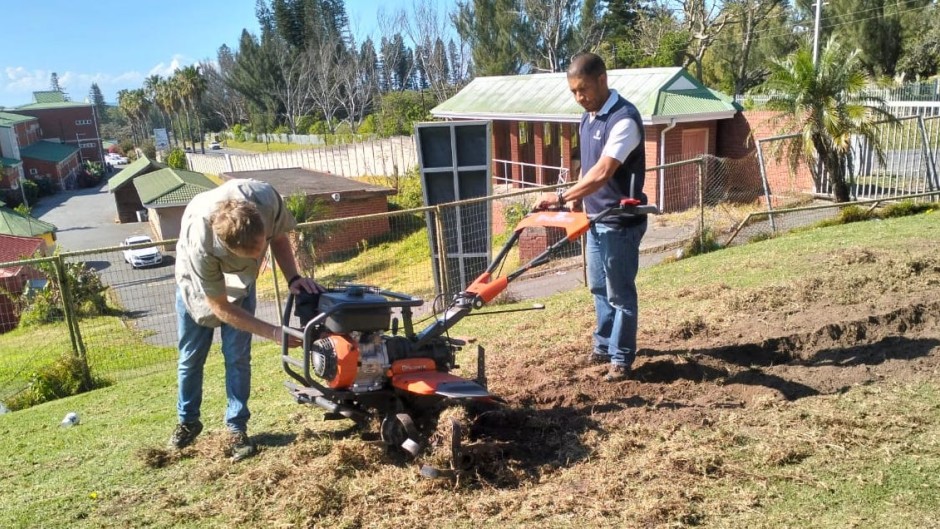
pixel 33 171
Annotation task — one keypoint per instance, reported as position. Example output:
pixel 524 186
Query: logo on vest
pixel 597 134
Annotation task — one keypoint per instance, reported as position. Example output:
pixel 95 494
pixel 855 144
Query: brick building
pixel 535 121
pixel 355 198
pixel 70 122
pixel 165 194
pixel 47 139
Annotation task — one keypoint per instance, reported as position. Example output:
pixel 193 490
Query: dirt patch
pixel 638 453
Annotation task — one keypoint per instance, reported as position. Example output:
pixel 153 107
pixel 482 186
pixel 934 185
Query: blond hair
pixel 238 224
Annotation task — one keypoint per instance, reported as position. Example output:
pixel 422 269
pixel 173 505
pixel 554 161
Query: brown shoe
pixel 617 373
pixel 598 359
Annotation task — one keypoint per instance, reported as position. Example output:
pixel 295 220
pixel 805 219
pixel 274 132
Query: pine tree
pixel 97 99
pixel 492 28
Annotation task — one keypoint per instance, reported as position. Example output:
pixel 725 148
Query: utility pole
pixel 816 31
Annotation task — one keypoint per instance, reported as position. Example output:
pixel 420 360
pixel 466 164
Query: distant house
pixel 535 120
pixel 128 203
pixel 14 279
pixel 354 198
pixel 20 225
pixel 165 193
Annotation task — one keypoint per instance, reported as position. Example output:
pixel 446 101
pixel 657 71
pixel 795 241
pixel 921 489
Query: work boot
pixel 184 434
pixel 598 358
pixel 241 447
pixel 616 373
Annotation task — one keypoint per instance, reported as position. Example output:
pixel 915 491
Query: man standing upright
pixel 224 235
pixel 613 164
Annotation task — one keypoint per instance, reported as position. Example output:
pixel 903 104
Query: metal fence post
pixel 441 249
pixel 71 319
pixel 763 178
pixel 701 202
pixel 932 177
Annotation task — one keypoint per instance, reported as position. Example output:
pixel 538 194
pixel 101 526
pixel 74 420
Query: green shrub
pixel 177 159
pixel 319 127
pixel 238 132
pixel 368 125
pixel 30 190
pixel 701 243
pixel 513 215
pixel 60 379
pixel 410 194
pixel 906 208
pixel 399 112
pixel 47 305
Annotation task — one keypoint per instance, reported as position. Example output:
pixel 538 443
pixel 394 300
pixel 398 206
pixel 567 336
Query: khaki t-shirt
pixel 204 267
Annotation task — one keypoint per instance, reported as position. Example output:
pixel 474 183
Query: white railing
pixel 532 174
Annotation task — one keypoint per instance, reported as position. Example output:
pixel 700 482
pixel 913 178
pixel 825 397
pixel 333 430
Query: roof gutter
pixel 662 161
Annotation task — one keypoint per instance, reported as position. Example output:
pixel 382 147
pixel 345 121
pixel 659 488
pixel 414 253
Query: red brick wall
pixel 27 133
pixel 737 141
pixel 347 236
pixel 61 123
pixel 55 172
pixel 536 239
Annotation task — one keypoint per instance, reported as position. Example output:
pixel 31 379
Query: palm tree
pixel 826 104
pixel 192 86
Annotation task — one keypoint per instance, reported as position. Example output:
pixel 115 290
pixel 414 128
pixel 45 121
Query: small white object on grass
pixel 71 419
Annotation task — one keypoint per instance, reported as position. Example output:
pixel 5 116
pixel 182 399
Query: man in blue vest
pixel 613 163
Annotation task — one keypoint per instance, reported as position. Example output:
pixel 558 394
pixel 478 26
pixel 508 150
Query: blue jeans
pixel 194 343
pixel 613 258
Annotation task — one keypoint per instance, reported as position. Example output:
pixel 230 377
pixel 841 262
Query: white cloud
pixel 166 70
pixel 17 83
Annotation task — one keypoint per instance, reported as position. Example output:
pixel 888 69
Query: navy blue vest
pixel 593 137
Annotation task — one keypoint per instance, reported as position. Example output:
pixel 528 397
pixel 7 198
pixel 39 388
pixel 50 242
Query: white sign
pixel 160 139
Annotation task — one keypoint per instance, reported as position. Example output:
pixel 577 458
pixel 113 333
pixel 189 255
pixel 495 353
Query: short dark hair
pixel 587 64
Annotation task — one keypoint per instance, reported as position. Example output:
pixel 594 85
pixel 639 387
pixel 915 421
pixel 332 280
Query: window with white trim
pixel 83 122
pixel 91 145
pixel 33 171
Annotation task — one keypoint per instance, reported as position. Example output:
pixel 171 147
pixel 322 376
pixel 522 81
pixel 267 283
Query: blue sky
pixel 119 43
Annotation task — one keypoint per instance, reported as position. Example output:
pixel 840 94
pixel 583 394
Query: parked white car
pixel 115 159
pixel 140 257
pixel 215 146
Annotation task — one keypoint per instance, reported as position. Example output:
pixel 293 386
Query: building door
pixel 694 145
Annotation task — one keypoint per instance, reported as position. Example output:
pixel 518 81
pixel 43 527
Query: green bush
pixel 60 379
pixel 701 243
pixel 907 208
pixel 400 110
pixel 319 127
pixel 513 215
pixel 238 132
pixel 368 125
pixel 409 192
pixel 177 159
pixel 30 190
pixel 47 305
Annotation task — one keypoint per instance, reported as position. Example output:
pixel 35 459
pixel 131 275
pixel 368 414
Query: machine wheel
pixel 399 431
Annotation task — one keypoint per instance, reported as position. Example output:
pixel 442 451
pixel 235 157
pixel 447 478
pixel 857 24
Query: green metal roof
pixel 138 167
pixel 49 151
pixel 660 95
pixel 54 104
pixel 171 187
pixel 6 118
pixel 13 223
pixel 9 162
pixel 49 96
